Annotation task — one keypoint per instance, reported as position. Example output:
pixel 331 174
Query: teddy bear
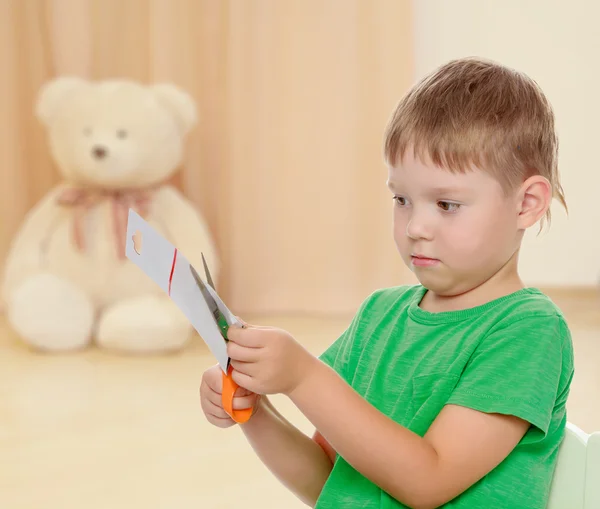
pixel 67 282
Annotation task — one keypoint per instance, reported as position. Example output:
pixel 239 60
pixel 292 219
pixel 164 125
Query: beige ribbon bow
pixel 83 199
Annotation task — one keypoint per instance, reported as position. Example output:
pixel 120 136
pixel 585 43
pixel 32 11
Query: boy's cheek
pixel 400 233
pixel 470 251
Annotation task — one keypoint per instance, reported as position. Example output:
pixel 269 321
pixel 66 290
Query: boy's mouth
pixel 420 260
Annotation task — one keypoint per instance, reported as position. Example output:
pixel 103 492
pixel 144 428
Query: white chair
pixel 576 482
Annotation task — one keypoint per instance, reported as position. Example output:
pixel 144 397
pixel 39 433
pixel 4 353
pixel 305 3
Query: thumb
pixel 245 325
pixel 242 392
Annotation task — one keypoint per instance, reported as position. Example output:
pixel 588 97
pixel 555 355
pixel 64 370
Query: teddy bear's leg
pixel 147 324
pixel 51 313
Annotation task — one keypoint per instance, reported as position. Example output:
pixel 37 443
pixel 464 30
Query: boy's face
pixel 454 231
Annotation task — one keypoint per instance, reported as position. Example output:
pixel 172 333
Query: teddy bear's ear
pixel 52 95
pixel 179 103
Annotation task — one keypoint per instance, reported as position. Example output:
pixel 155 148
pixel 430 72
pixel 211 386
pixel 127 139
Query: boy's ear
pixel 535 197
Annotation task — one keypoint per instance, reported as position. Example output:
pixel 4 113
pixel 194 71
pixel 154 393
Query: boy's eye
pixel 400 200
pixel 447 206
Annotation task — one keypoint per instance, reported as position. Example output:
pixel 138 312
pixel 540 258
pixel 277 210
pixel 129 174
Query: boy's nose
pixel 417 230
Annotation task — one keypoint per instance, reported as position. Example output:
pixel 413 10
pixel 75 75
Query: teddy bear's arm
pixel 25 255
pixel 186 229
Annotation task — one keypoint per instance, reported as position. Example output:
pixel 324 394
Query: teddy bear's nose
pixel 99 152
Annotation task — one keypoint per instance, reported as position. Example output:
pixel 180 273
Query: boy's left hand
pixel 267 360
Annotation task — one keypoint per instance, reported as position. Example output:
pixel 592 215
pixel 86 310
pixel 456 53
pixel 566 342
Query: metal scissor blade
pixel 213 299
pixel 212 303
pixel 207 272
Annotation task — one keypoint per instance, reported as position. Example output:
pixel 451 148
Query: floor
pixel 97 431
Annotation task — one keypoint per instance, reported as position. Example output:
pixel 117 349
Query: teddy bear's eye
pixel 87 131
pixel 122 133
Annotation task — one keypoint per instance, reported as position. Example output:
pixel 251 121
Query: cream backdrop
pixel 556 43
pixel 286 162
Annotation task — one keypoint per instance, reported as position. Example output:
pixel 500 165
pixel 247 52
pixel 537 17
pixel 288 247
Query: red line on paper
pixel 172 270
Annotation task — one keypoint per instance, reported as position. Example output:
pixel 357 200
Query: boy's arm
pixel 461 446
pixel 295 459
pixel 325 445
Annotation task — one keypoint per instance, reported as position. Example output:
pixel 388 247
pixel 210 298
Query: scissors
pixel 229 386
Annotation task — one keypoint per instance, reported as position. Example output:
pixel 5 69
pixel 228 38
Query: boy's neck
pixel 504 282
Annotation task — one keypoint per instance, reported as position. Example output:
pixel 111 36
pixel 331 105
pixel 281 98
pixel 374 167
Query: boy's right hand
pixel 210 398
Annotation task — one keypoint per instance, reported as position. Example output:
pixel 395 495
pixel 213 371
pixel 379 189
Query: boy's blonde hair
pixel 474 112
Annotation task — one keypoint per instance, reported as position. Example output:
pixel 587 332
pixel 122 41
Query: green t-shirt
pixel 513 356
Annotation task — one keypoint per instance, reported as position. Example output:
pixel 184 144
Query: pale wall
pixel 557 44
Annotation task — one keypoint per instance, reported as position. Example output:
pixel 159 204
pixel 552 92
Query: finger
pixel 209 384
pixel 241 392
pixel 242 367
pixel 245 402
pixel 246 325
pixel 213 378
pixel 242 323
pixel 243 380
pixel 221 423
pixel 242 353
pixel 216 411
pixel 242 395
pixel 214 397
pixel 207 393
pixel 250 338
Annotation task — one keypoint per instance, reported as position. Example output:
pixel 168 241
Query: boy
pixel 448 393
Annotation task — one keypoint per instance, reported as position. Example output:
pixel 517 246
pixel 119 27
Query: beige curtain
pixel 286 165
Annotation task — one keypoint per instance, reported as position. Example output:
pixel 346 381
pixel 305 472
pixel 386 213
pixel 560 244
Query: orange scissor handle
pixel 229 388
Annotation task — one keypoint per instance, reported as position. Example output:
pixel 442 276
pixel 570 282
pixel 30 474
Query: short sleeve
pixel 338 355
pixel 518 370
